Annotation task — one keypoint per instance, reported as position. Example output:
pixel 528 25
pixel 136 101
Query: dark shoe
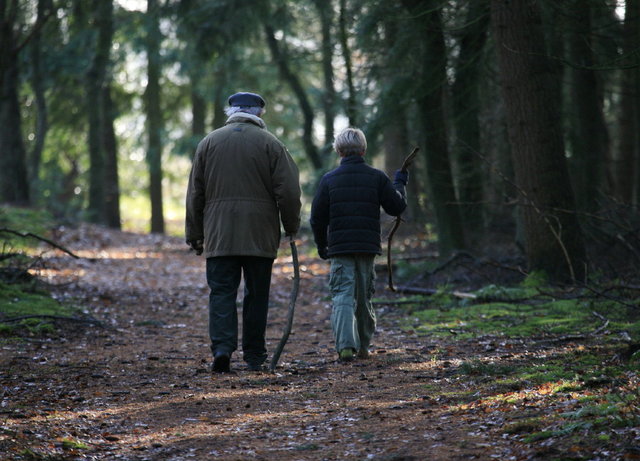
pixel 256 367
pixel 346 355
pixel 221 363
pixel 363 353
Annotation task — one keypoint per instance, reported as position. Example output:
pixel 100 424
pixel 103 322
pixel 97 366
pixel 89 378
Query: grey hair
pixel 350 141
pixel 253 110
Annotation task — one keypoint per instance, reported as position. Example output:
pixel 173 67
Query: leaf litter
pixel 140 387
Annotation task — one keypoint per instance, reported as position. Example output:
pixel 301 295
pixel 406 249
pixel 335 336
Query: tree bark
pixel 307 111
pixel 95 79
pixel 466 112
pixel 14 183
pixel 219 100
pixel 588 133
pixel 395 126
pixel 553 238
pixel 626 159
pixel 110 144
pixel 44 6
pixel 198 106
pixel 633 8
pixel 430 100
pixel 352 106
pixel 198 114
pixel 154 116
pixel 325 9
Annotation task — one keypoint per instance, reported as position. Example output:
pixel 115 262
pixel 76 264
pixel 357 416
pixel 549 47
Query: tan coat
pixel 243 182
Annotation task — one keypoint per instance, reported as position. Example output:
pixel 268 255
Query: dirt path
pixel 140 387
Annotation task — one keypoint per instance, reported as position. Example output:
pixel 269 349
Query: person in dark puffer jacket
pixel 345 219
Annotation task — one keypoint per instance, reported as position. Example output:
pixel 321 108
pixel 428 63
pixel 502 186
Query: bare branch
pixel 38 237
pixel 51 317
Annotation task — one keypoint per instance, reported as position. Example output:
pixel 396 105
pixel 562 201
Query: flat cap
pixel 246 100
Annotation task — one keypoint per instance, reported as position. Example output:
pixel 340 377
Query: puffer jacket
pixel 345 213
pixel 243 183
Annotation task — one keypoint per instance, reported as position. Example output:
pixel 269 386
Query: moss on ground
pixel 23 220
pixel 20 294
pixel 18 301
pixel 538 318
pixel 570 384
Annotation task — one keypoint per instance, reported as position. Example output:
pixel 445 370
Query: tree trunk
pixel 95 79
pixel 626 158
pixel 352 107
pixel 154 116
pixel 14 184
pixel 325 8
pixel 111 181
pixel 307 111
pixel 395 141
pixel 44 6
pixel 198 110
pixel 219 101
pixel 553 239
pixel 466 110
pixel 430 102
pixel 633 8
pixel 395 127
pixel 588 132
pixel 198 114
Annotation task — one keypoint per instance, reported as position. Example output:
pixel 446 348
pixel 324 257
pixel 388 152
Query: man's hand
pixel 196 245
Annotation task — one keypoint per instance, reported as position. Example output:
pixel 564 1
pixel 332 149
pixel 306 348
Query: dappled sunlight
pixel 140 387
pixel 531 397
pixel 119 253
pixel 428 365
pixel 223 413
pixel 57 275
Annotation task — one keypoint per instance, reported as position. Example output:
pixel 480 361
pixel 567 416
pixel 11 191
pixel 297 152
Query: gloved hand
pixel 290 235
pixel 323 253
pixel 196 245
pixel 402 176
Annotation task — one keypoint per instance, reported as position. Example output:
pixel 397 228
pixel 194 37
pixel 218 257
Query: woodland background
pixel 526 112
pixel 514 331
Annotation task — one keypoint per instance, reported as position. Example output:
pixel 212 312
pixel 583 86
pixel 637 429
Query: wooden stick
pixel 292 305
pixel 405 167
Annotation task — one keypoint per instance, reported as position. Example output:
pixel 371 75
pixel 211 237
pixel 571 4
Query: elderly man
pixel 243 183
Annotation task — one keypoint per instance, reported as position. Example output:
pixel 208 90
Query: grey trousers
pixel 352 286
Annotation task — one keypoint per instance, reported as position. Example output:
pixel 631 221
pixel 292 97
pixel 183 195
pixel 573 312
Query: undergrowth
pixel 26 306
pixel 576 380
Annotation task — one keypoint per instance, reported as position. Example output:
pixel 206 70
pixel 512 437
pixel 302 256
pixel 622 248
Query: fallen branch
pixel 598 331
pixel 38 237
pixel 391 302
pixel 632 305
pixel 602 327
pixel 6 256
pixel 431 291
pixel 52 317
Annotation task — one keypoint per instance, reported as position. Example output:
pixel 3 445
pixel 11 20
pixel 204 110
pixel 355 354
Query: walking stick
pixel 405 167
pixel 292 305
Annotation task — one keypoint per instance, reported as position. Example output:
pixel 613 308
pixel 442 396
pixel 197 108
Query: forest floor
pixel 138 385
